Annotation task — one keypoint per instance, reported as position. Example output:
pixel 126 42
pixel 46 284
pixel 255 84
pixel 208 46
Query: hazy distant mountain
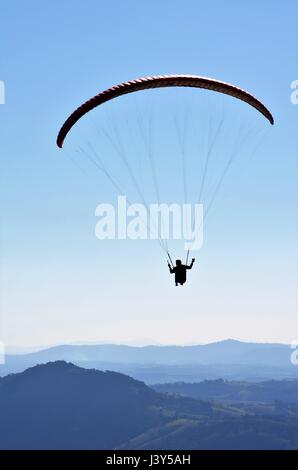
pixel 265 392
pixel 228 359
pixel 228 351
pixel 62 406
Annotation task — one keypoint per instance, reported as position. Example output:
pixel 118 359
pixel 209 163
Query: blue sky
pixel 58 282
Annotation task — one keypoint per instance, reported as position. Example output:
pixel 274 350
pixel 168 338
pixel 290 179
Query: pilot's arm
pixel 171 269
pixel 191 264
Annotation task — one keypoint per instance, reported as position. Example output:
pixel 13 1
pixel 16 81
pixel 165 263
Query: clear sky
pixel 58 282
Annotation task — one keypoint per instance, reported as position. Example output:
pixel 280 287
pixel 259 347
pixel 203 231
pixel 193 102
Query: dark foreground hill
pixel 62 406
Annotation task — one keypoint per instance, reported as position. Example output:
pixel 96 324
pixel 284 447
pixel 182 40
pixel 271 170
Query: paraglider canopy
pixel 161 81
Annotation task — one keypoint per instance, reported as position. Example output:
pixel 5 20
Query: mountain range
pixel 229 359
pixel 232 392
pixel 61 406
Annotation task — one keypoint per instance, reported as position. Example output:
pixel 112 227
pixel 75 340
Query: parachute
pixel 160 81
pixel 215 143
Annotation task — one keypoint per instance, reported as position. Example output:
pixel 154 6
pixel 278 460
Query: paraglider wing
pixel 160 82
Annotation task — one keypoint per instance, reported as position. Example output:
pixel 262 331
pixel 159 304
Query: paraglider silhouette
pixel 180 271
pixel 154 82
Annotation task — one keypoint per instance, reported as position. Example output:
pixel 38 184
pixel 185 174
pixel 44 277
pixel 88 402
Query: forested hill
pixel 61 406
